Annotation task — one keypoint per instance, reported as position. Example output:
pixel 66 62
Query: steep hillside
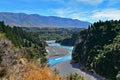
pixel 9 57
pixel 15 66
pixel 16 48
pixel 35 20
pixel 30 41
pixel 19 51
pixel 98 48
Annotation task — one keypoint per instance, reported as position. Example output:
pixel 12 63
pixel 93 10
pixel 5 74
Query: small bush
pixel 73 76
pixel 3 72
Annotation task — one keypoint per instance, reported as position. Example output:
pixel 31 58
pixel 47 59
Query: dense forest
pixel 98 49
pixel 31 42
pixel 68 41
pixel 53 33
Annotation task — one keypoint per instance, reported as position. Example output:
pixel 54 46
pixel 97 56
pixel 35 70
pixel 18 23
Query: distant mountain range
pixel 35 20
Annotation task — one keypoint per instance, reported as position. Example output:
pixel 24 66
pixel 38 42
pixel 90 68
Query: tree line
pixel 31 42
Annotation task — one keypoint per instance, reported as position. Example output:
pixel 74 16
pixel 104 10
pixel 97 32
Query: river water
pixel 53 61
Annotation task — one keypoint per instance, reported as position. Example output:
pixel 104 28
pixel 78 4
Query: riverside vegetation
pixel 98 49
pixel 19 51
pixel 58 34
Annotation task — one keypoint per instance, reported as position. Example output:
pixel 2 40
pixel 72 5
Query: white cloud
pixel 63 12
pixel 79 16
pixel 91 16
pixel 71 13
pixel 91 2
pixel 106 14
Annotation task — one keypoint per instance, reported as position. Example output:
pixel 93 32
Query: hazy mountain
pixel 35 20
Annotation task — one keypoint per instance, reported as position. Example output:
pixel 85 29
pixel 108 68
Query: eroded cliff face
pixel 9 58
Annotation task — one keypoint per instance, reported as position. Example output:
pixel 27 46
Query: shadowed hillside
pixel 98 49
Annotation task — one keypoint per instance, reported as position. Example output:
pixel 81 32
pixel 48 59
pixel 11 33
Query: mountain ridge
pixel 36 20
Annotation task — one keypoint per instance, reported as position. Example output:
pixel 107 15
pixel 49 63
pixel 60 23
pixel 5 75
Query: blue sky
pixel 86 10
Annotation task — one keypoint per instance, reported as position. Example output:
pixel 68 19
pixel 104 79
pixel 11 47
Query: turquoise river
pixel 53 61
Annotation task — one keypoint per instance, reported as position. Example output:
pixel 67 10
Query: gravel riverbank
pixel 67 67
pixel 56 52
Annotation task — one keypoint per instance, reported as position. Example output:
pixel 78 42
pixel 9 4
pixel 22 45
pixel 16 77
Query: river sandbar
pixel 56 52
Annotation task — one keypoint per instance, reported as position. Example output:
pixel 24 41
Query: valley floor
pixel 67 67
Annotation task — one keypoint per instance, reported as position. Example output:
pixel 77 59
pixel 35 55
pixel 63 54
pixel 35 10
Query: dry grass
pixel 32 71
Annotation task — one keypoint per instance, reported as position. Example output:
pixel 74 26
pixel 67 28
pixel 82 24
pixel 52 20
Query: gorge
pixel 64 65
